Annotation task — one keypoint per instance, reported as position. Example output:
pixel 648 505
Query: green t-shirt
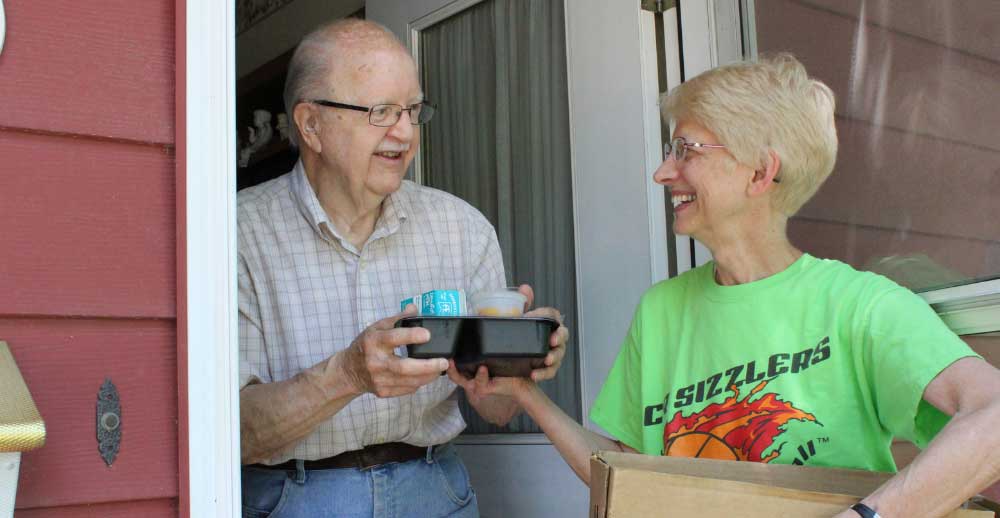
pixel 819 365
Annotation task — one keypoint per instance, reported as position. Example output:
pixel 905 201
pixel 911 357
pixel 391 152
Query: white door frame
pixel 212 346
pixel 712 37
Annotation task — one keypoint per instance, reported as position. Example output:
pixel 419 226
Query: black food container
pixel 507 346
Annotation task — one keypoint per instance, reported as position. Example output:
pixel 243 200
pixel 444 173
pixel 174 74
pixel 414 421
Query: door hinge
pixel 657 6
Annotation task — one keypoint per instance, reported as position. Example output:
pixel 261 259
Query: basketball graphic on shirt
pixel 736 429
pixel 699 444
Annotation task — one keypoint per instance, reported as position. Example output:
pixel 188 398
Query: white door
pixel 618 227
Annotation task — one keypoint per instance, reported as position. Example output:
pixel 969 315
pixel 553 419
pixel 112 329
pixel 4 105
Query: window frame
pixel 413 30
pixel 968 309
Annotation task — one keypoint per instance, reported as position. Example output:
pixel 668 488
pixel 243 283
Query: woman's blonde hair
pixel 768 104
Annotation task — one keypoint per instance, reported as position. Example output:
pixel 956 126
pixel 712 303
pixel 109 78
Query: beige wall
pixel 918 94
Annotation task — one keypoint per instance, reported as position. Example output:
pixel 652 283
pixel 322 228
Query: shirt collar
pixel 305 198
pixel 395 208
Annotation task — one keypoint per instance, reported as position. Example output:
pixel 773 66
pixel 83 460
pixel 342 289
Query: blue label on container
pixel 443 303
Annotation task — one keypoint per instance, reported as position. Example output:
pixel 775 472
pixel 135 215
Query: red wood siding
pixel 95 227
pixel 88 247
pixel 64 367
pixel 162 508
pixel 180 140
pixel 89 68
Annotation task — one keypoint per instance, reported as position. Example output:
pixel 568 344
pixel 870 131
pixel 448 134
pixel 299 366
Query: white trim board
pixel 3 26
pixel 962 293
pixel 968 309
pixel 10 464
pixel 213 402
pixel 659 263
pixel 412 40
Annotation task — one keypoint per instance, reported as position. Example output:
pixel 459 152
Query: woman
pixel 767 353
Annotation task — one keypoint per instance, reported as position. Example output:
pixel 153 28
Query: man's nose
pixel 666 173
pixel 403 129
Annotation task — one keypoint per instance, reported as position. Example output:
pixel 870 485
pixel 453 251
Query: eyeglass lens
pixel 675 148
pixel 389 114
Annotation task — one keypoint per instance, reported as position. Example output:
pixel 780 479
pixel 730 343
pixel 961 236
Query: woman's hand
pixel 495 399
pixel 482 385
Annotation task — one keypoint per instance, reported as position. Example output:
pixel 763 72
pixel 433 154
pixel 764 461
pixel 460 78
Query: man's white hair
pixel 319 51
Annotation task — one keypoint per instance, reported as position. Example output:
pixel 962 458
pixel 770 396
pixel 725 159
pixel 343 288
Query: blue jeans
pixel 434 486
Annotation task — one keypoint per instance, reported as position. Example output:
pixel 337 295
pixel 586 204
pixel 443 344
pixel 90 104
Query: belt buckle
pixel 365 460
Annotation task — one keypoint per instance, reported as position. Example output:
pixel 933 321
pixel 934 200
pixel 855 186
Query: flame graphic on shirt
pixel 736 429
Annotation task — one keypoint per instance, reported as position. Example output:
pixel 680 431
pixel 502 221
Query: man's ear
pixel 307 121
pixel 763 179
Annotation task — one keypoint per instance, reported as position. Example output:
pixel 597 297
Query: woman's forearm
pixel 961 461
pixel 574 442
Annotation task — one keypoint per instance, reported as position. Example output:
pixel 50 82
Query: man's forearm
pixel 962 460
pixel 275 416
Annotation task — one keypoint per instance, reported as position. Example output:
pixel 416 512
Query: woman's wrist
pixel 528 395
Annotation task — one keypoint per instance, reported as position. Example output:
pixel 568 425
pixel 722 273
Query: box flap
pixel 850 482
pixel 641 485
pixel 600 476
pixel 644 493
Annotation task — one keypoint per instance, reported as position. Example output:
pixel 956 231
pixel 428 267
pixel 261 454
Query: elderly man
pixel 334 423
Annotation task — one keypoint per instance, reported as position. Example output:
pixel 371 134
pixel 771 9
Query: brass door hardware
pixel 21 427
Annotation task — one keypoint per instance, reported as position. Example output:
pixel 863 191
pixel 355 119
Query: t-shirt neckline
pixel 716 291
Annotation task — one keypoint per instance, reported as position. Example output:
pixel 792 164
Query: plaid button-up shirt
pixel 305 293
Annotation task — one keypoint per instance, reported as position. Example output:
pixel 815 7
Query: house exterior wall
pixel 88 247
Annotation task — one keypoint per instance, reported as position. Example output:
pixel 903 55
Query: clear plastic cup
pixel 499 303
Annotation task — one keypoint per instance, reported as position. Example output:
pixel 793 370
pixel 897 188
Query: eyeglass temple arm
pixel 333 104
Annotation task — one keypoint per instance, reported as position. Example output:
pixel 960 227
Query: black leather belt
pixel 367 457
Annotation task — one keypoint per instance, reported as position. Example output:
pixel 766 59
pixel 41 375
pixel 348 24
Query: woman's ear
pixel 764 178
pixel 307 121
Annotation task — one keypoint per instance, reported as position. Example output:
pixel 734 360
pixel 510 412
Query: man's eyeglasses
pixel 384 115
pixel 678 147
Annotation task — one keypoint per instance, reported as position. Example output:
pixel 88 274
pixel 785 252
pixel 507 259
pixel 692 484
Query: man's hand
pixel 557 344
pixel 372 366
pixel 557 340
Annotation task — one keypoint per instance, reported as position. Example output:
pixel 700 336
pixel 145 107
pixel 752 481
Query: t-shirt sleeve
pixel 618 407
pixel 907 345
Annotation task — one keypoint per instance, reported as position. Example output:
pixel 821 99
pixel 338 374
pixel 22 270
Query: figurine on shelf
pixel 259 135
pixel 283 126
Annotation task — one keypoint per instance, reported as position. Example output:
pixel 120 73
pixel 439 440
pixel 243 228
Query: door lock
pixel 109 422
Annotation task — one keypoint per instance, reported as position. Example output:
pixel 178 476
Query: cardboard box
pixel 629 485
